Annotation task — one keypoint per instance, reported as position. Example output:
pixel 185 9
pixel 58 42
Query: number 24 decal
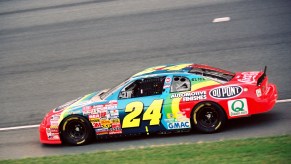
pixel 153 113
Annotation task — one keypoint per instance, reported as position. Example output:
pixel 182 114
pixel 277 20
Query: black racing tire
pixel 208 117
pixel 76 130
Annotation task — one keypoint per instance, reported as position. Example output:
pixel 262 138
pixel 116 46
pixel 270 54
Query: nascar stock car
pixel 161 99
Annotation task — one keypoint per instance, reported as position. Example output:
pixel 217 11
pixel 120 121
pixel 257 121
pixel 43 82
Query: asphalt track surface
pixel 54 51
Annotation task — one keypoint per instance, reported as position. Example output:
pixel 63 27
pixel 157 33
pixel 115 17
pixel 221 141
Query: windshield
pixel 110 91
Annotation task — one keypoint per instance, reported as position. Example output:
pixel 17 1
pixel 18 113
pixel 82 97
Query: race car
pixel 167 98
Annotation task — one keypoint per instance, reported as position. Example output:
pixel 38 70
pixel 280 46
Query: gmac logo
pixel 226 92
pixel 178 125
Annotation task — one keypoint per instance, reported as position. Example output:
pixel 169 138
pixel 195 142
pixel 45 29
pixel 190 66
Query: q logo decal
pixel 238 107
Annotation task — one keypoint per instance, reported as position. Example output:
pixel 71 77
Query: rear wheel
pixel 208 117
pixel 76 130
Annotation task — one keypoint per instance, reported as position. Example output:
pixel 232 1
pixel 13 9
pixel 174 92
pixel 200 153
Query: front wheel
pixel 76 130
pixel 208 117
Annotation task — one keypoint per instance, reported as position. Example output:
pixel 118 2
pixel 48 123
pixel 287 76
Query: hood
pixel 82 101
pixel 55 116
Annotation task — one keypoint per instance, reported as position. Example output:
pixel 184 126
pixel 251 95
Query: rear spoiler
pixel 260 80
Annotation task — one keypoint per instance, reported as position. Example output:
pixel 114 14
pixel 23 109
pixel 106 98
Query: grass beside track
pixel 254 150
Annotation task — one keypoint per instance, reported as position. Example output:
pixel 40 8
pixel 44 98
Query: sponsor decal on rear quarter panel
pixel 226 92
pixel 238 107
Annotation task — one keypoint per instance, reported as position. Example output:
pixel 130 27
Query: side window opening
pixel 143 87
pixel 180 84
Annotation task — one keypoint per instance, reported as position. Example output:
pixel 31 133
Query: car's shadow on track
pixel 252 121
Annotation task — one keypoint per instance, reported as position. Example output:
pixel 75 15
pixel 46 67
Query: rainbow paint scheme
pixel 175 101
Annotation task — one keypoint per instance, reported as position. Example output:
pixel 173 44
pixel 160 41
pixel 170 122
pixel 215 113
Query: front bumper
pixel 47 135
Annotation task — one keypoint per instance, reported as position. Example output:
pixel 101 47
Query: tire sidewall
pixel 221 117
pixel 67 139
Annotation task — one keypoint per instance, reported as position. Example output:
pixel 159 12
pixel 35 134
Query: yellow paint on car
pixel 175 106
pixel 203 84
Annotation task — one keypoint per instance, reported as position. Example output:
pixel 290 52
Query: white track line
pixel 19 127
pixel 36 126
pixel 223 19
pixel 282 101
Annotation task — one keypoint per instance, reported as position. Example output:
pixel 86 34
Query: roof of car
pixel 170 68
pixel 178 68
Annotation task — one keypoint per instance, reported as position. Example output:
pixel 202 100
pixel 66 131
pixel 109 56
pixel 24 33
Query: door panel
pixel 141 115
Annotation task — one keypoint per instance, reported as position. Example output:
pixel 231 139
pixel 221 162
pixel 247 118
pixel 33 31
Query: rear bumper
pixel 48 137
pixel 266 102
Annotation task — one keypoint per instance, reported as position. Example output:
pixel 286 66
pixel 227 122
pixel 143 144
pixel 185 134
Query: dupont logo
pixel 226 92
